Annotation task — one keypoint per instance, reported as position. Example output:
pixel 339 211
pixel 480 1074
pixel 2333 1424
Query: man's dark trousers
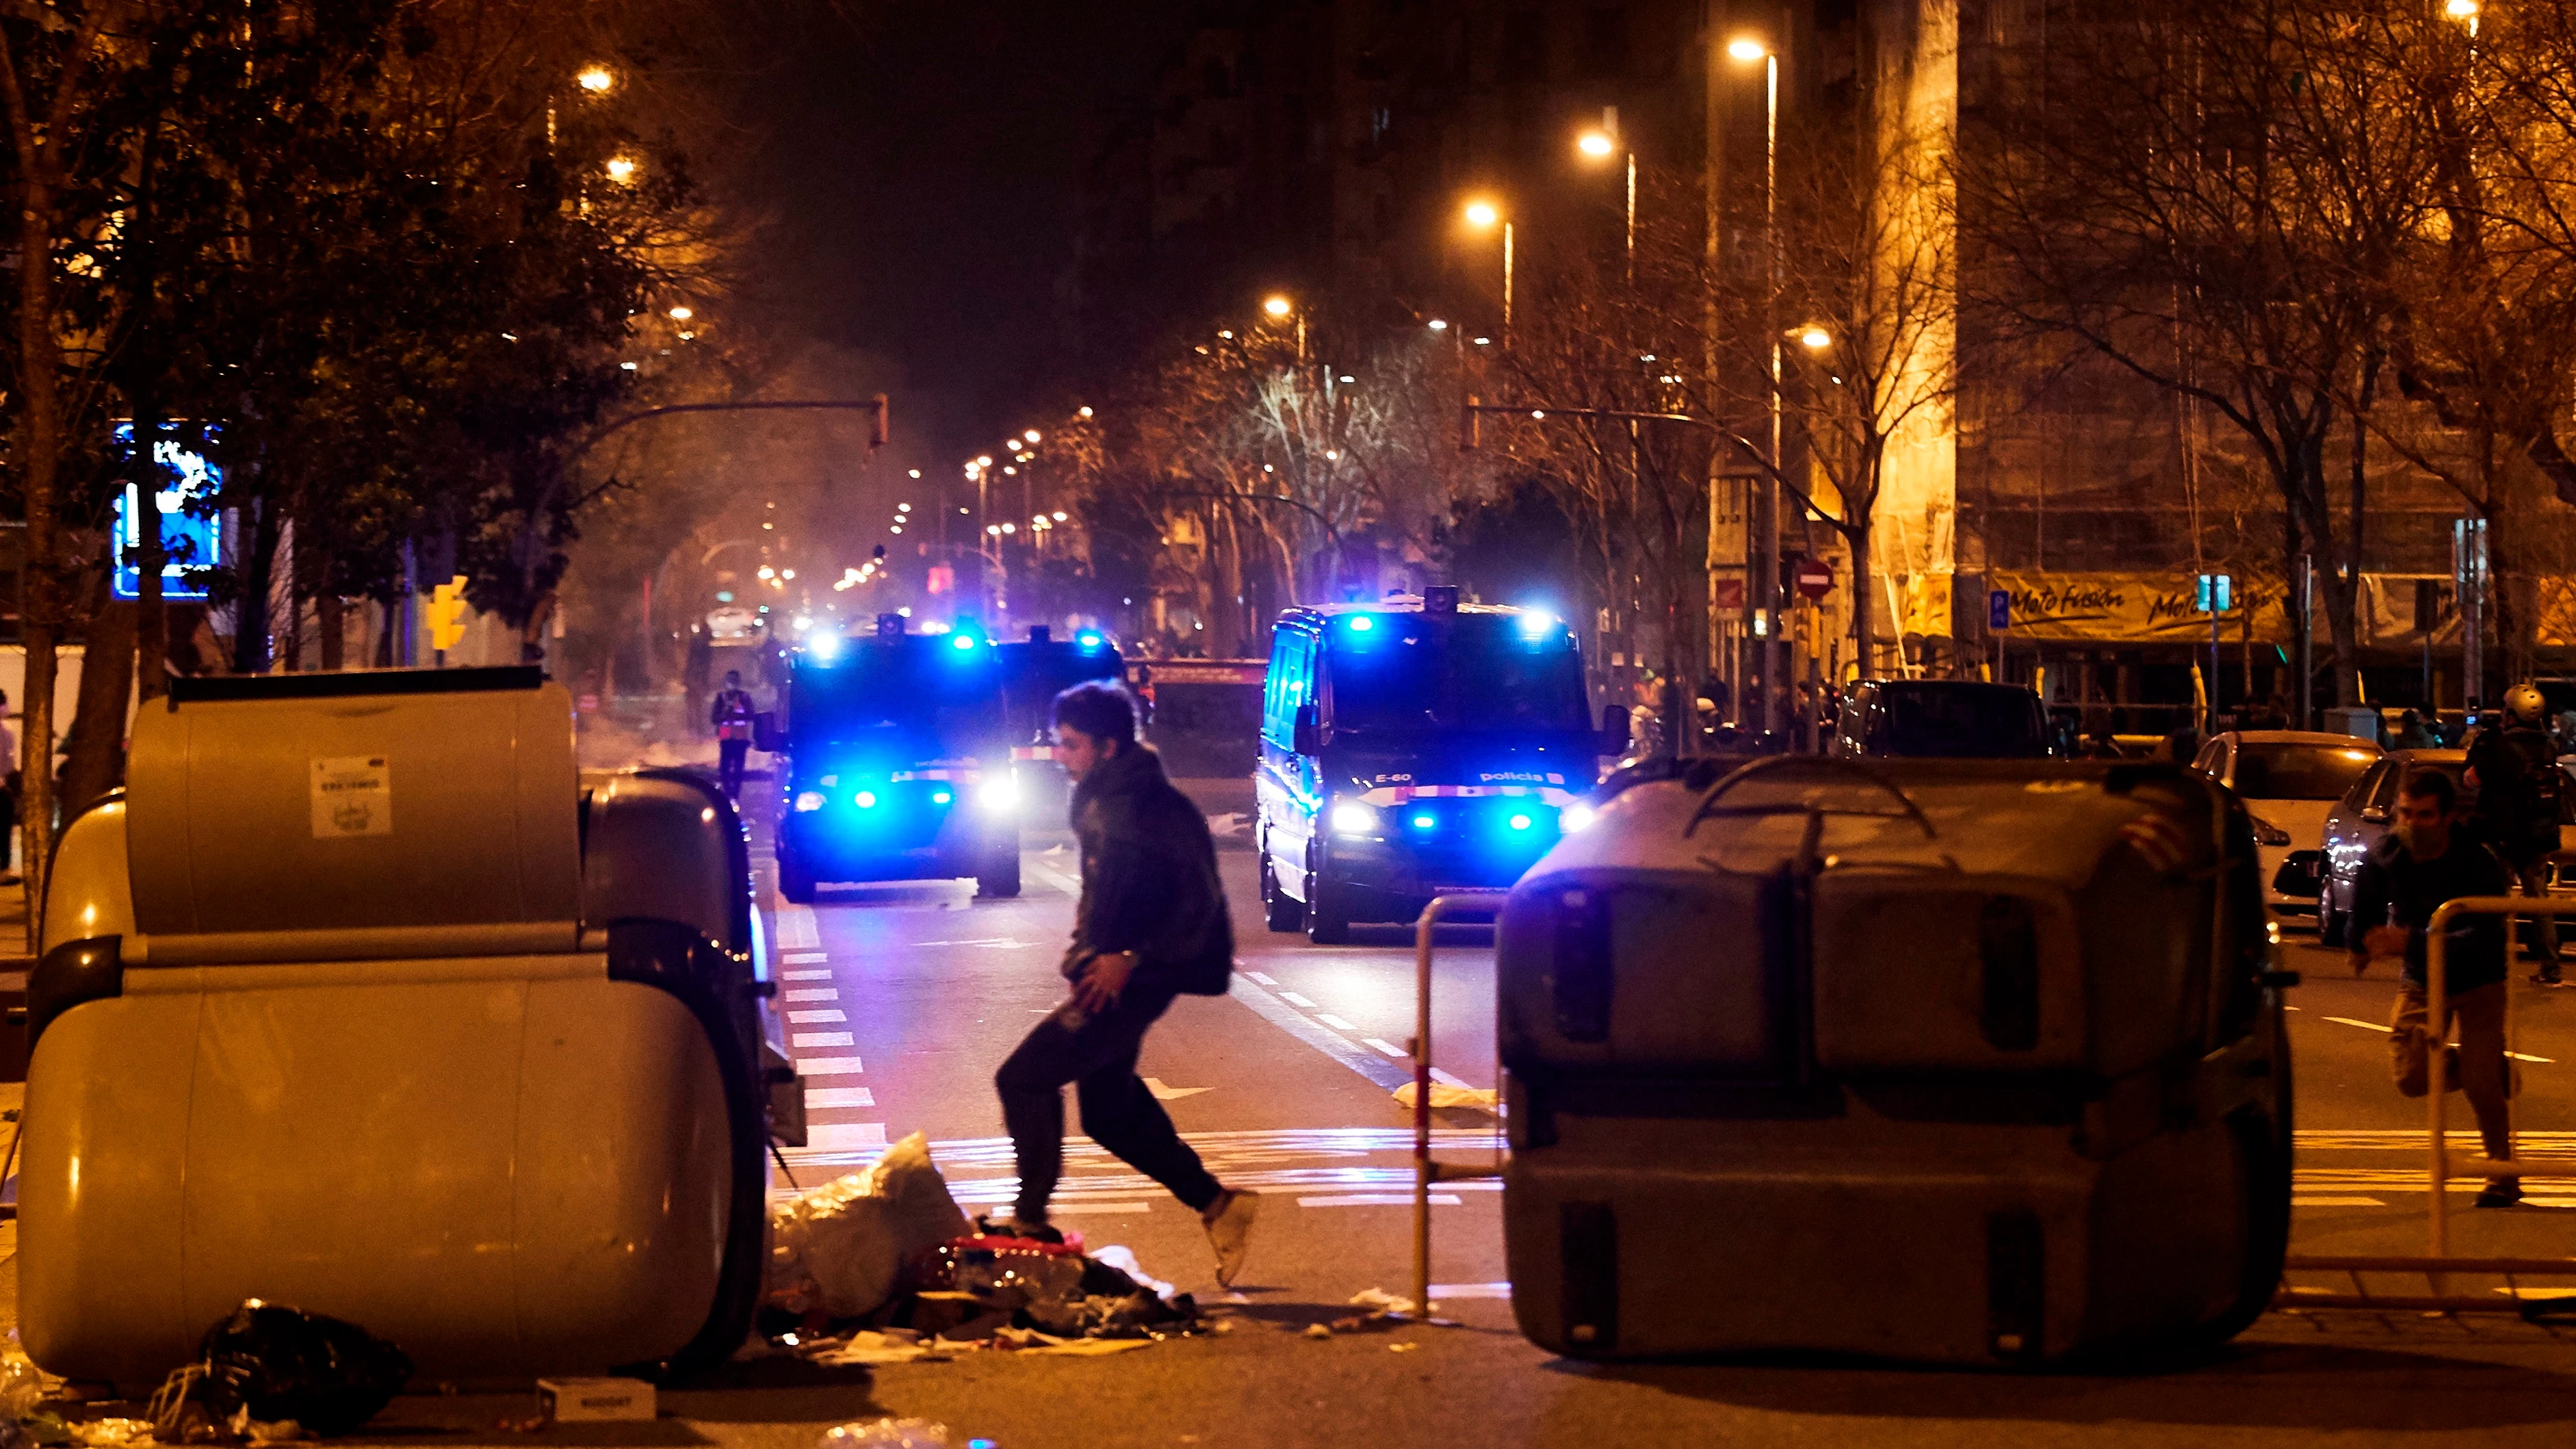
pixel 1096 1052
pixel 730 756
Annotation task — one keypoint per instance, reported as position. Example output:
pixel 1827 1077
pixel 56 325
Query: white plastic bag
pixel 839 1247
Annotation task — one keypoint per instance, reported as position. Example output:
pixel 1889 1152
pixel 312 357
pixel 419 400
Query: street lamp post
pixel 1763 554
pixel 1601 145
pixel 1482 215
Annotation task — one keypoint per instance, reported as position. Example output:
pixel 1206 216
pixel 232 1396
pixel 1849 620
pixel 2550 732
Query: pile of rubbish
pixel 881 1266
pixel 266 1374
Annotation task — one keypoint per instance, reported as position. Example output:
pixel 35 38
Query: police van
pixel 1033 674
pixel 1415 746
pixel 898 763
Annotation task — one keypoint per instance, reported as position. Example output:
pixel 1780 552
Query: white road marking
pixel 1077 1209
pixel 2383 1031
pixel 1261 976
pixel 804 975
pixel 1058 879
pixel 2336 1202
pixel 1163 1093
pixel 821 1039
pixel 812 1018
pixel 829 1066
pixel 796 929
pixel 1388 1047
pixel 1470 1290
pixel 842 1136
pixel 1447 1080
pixel 1293 999
pixel 815 993
pixel 805 958
pixel 1335 1022
pixel 840 1097
pixel 1375 1199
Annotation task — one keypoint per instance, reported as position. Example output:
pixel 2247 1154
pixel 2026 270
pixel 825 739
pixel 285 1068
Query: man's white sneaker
pixel 1229 1230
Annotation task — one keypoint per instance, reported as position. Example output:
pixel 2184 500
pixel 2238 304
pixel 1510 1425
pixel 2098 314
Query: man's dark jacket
pixel 1149 879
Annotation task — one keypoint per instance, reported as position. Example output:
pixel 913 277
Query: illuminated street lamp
pixel 1814 338
pixel 681 314
pixel 1482 215
pixel 1600 145
pixel 1278 307
pixel 599 80
pixel 1031 435
pixel 621 169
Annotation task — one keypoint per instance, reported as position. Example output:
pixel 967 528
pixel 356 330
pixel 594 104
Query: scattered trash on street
pixel 1443 1094
pixel 1385 1310
pixel 839 1249
pixel 269 1373
pixel 895 1434
pixel 592 1401
pixel 880 1267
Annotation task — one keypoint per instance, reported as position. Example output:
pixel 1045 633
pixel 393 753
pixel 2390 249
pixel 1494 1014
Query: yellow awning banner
pixel 2137 608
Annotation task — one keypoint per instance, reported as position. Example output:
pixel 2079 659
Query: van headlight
pixel 998 795
pixel 810 800
pixel 1353 818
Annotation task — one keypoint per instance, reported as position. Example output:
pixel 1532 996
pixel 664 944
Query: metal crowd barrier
pixel 2442 1165
pixel 1426 1171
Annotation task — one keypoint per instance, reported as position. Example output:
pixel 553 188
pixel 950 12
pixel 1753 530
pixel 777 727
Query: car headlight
pixel 998 795
pixel 1353 818
pixel 1573 818
pixel 810 800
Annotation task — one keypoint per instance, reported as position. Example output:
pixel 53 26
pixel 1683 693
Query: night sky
pixel 922 163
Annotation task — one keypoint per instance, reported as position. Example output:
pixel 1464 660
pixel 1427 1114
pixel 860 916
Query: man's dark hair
pixel 1102 711
pixel 2432 785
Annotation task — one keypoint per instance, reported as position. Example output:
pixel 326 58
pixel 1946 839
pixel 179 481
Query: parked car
pixel 2290 780
pixel 2357 823
pixel 1941 719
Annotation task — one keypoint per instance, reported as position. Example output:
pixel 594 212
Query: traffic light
pixel 447 614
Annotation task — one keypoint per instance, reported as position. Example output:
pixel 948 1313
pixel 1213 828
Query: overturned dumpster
pixel 359 999
pixel 1953 1062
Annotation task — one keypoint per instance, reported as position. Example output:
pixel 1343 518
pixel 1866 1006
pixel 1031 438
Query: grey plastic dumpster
pixel 358 1000
pixel 1952 1062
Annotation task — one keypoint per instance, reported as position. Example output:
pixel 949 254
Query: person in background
pixel 2182 747
pixel 731 715
pixel 2424 861
pixel 2513 765
pixel 2411 734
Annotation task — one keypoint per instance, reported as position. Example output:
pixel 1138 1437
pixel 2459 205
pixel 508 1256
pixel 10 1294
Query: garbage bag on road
pixel 840 1248
pixel 888 1434
pixel 276 1363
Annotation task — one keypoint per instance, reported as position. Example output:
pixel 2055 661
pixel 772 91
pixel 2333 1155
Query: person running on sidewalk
pixel 731 715
pixel 2514 769
pixel 1151 925
pixel 2427 860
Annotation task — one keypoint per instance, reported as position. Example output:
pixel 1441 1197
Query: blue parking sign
pixel 1998 611
pixel 191 542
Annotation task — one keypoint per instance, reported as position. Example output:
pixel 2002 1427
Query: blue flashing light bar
pixel 961 641
pixel 1362 623
pixel 1088 641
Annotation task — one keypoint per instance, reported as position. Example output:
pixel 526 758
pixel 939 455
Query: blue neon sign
pixel 192 542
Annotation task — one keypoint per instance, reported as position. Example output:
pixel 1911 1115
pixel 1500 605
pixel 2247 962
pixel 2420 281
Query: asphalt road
pixel 910 995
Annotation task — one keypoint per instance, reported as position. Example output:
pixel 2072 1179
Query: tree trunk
pixel 332 624
pixel 250 610
pixel 39 460
pixel 1864 623
pixel 94 747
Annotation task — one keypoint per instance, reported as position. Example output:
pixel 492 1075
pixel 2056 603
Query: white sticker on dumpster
pixel 352 795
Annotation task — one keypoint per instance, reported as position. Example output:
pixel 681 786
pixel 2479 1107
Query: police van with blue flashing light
pixel 1415 746
pixel 1033 674
pixel 898 763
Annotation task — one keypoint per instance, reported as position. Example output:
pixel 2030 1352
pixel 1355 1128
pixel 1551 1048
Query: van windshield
pixel 1475 674
pixel 1963 721
pixel 911 700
